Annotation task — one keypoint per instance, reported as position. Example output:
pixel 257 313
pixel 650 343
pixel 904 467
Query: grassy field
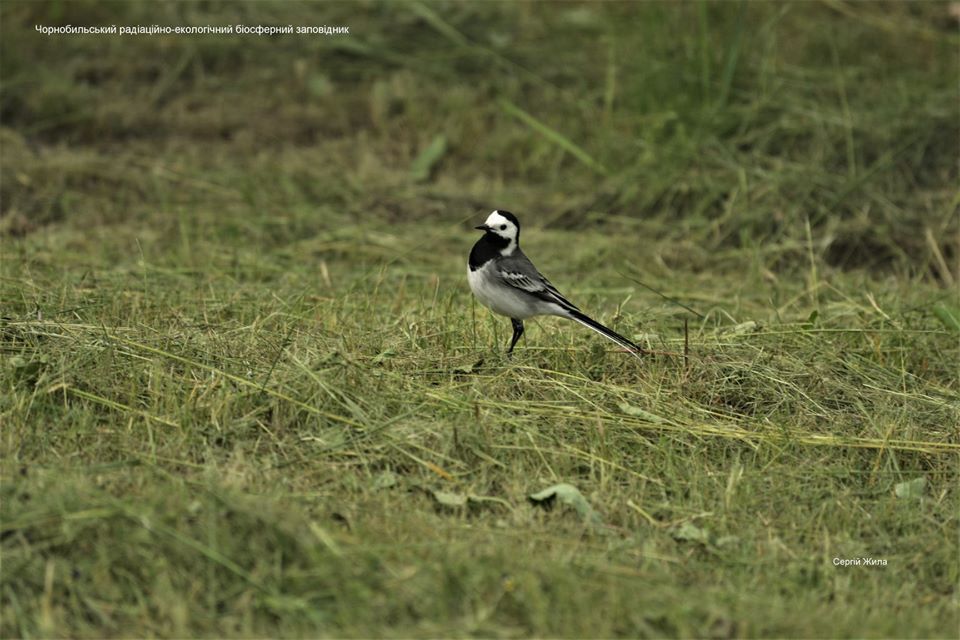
pixel 245 390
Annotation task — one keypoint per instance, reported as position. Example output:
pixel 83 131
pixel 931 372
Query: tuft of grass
pixel 244 390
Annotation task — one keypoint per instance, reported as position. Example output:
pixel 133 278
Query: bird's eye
pixel 503 227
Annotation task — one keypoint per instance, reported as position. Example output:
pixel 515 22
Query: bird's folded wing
pixel 533 283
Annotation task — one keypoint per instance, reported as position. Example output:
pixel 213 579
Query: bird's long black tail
pixel 609 334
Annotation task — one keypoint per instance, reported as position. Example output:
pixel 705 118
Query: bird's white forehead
pixel 495 220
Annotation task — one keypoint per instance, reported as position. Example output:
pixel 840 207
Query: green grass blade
pixel 554 136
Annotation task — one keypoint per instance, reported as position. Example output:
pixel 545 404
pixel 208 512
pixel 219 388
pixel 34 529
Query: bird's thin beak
pixel 482 227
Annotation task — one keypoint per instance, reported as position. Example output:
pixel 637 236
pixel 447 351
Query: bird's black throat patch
pixel 487 248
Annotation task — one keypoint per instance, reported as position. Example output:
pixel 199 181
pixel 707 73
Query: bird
pixel 504 279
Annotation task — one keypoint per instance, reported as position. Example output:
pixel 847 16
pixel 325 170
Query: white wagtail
pixel 505 280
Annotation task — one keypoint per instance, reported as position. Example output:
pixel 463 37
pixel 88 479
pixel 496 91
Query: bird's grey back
pixel 518 262
pixel 518 271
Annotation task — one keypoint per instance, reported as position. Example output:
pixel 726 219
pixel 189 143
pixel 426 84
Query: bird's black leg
pixel 517 332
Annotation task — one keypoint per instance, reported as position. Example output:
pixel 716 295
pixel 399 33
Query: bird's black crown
pixel 509 216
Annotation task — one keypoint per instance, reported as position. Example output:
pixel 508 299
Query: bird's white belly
pixel 501 298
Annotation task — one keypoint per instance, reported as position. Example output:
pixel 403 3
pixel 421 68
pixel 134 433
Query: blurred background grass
pixel 729 123
pixel 239 352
